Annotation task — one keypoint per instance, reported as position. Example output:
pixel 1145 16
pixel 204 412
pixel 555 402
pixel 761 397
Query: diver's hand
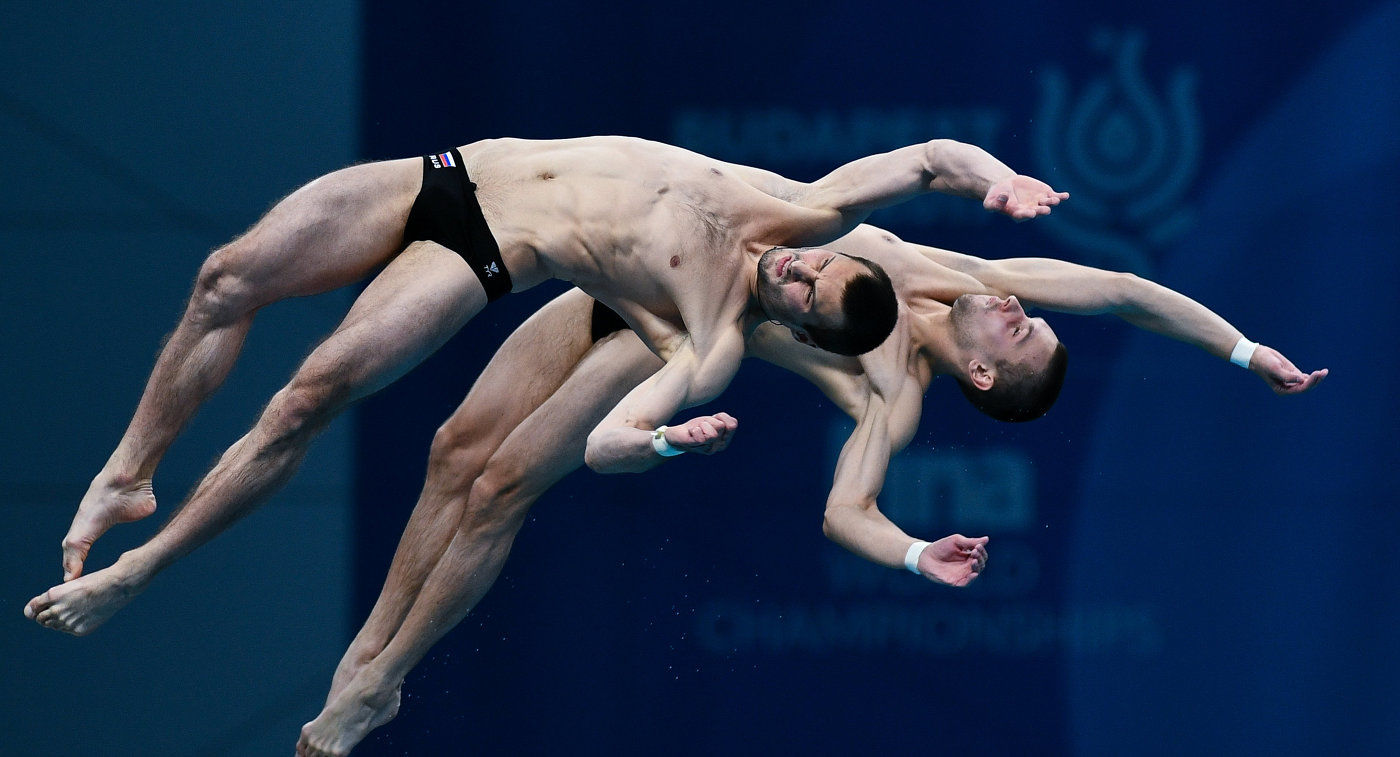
pixel 954 560
pixel 1280 373
pixel 1022 197
pixel 706 435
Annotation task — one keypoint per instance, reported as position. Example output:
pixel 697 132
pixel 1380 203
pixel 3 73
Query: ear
pixel 980 374
pixel 802 337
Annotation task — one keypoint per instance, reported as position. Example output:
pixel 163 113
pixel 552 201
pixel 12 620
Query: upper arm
pixel 1043 282
pixel 893 402
pixel 1058 285
pixel 835 204
pixel 770 183
pixel 862 186
pixel 837 376
pixel 864 459
pixel 689 378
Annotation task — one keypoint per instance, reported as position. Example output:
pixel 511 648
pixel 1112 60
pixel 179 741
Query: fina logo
pixel 1126 155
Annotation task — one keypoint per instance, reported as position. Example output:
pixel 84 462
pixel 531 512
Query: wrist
pixel 911 557
pixel 1243 352
pixel 661 445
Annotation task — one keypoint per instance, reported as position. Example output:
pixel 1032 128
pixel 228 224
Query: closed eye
pixel 812 293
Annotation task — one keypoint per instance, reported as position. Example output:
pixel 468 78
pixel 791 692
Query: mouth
pixel 783 265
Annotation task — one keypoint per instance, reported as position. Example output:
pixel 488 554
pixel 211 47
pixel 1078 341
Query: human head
pixel 1011 366
pixel 831 300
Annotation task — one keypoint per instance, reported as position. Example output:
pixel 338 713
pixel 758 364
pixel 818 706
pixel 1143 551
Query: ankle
pixel 134 571
pixel 121 479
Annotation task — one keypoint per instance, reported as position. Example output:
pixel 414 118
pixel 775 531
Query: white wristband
pixel 1244 350
pixel 911 558
pixel 663 447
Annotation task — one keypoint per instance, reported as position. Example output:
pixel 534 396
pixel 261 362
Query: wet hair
pixel 1020 393
pixel 869 310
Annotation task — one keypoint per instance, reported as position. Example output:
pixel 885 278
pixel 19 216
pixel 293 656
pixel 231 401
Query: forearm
pixel 1070 288
pixel 621 449
pixel 626 441
pixel 962 169
pixel 865 531
pixel 852 518
pixel 1156 308
pixel 941 165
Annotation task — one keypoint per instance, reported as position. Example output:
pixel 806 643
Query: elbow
pixel 594 457
pixel 943 146
pixel 844 518
pixel 833 522
pixel 1125 290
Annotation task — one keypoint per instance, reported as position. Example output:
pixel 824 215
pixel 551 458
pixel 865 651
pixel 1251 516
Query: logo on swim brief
pixel 443 159
pixel 1127 154
pixel 490 269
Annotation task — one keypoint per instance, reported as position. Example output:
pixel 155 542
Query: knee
pixel 221 292
pixel 456 456
pixel 304 407
pixel 498 500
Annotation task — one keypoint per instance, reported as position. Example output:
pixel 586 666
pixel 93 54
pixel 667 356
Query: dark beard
pixel 768 290
pixel 959 316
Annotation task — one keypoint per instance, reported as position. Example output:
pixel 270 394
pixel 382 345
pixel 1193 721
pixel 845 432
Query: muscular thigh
pixel 550 443
pixel 530 365
pixel 330 232
pixel 405 314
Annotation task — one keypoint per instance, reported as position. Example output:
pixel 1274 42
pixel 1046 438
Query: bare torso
pixel 666 237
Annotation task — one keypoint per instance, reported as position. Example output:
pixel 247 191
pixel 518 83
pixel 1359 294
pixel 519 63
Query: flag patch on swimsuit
pixel 443 159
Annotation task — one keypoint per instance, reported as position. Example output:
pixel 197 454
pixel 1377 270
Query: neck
pixel 932 333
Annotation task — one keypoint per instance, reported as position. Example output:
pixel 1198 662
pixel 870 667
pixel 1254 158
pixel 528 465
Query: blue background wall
pixel 1181 561
pixel 135 138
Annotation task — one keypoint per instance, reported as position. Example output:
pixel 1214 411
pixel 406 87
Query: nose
pixel 801 271
pixel 1011 304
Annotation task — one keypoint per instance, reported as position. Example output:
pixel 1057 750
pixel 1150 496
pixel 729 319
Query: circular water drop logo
pixel 1127 154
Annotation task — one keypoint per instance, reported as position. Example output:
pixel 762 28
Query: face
pixel 999 329
pixel 799 287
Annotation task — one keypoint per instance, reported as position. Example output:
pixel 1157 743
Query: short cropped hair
pixel 1019 393
pixel 870 312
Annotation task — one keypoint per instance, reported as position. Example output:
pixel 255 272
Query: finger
pixel 1311 380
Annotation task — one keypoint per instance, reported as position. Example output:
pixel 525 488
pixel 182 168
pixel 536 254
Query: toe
pixel 38 605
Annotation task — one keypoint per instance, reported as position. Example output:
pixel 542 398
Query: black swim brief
pixel 446 211
pixel 606 321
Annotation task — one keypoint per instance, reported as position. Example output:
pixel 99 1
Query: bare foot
pixel 347 719
pixel 107 503
pixel 81 605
